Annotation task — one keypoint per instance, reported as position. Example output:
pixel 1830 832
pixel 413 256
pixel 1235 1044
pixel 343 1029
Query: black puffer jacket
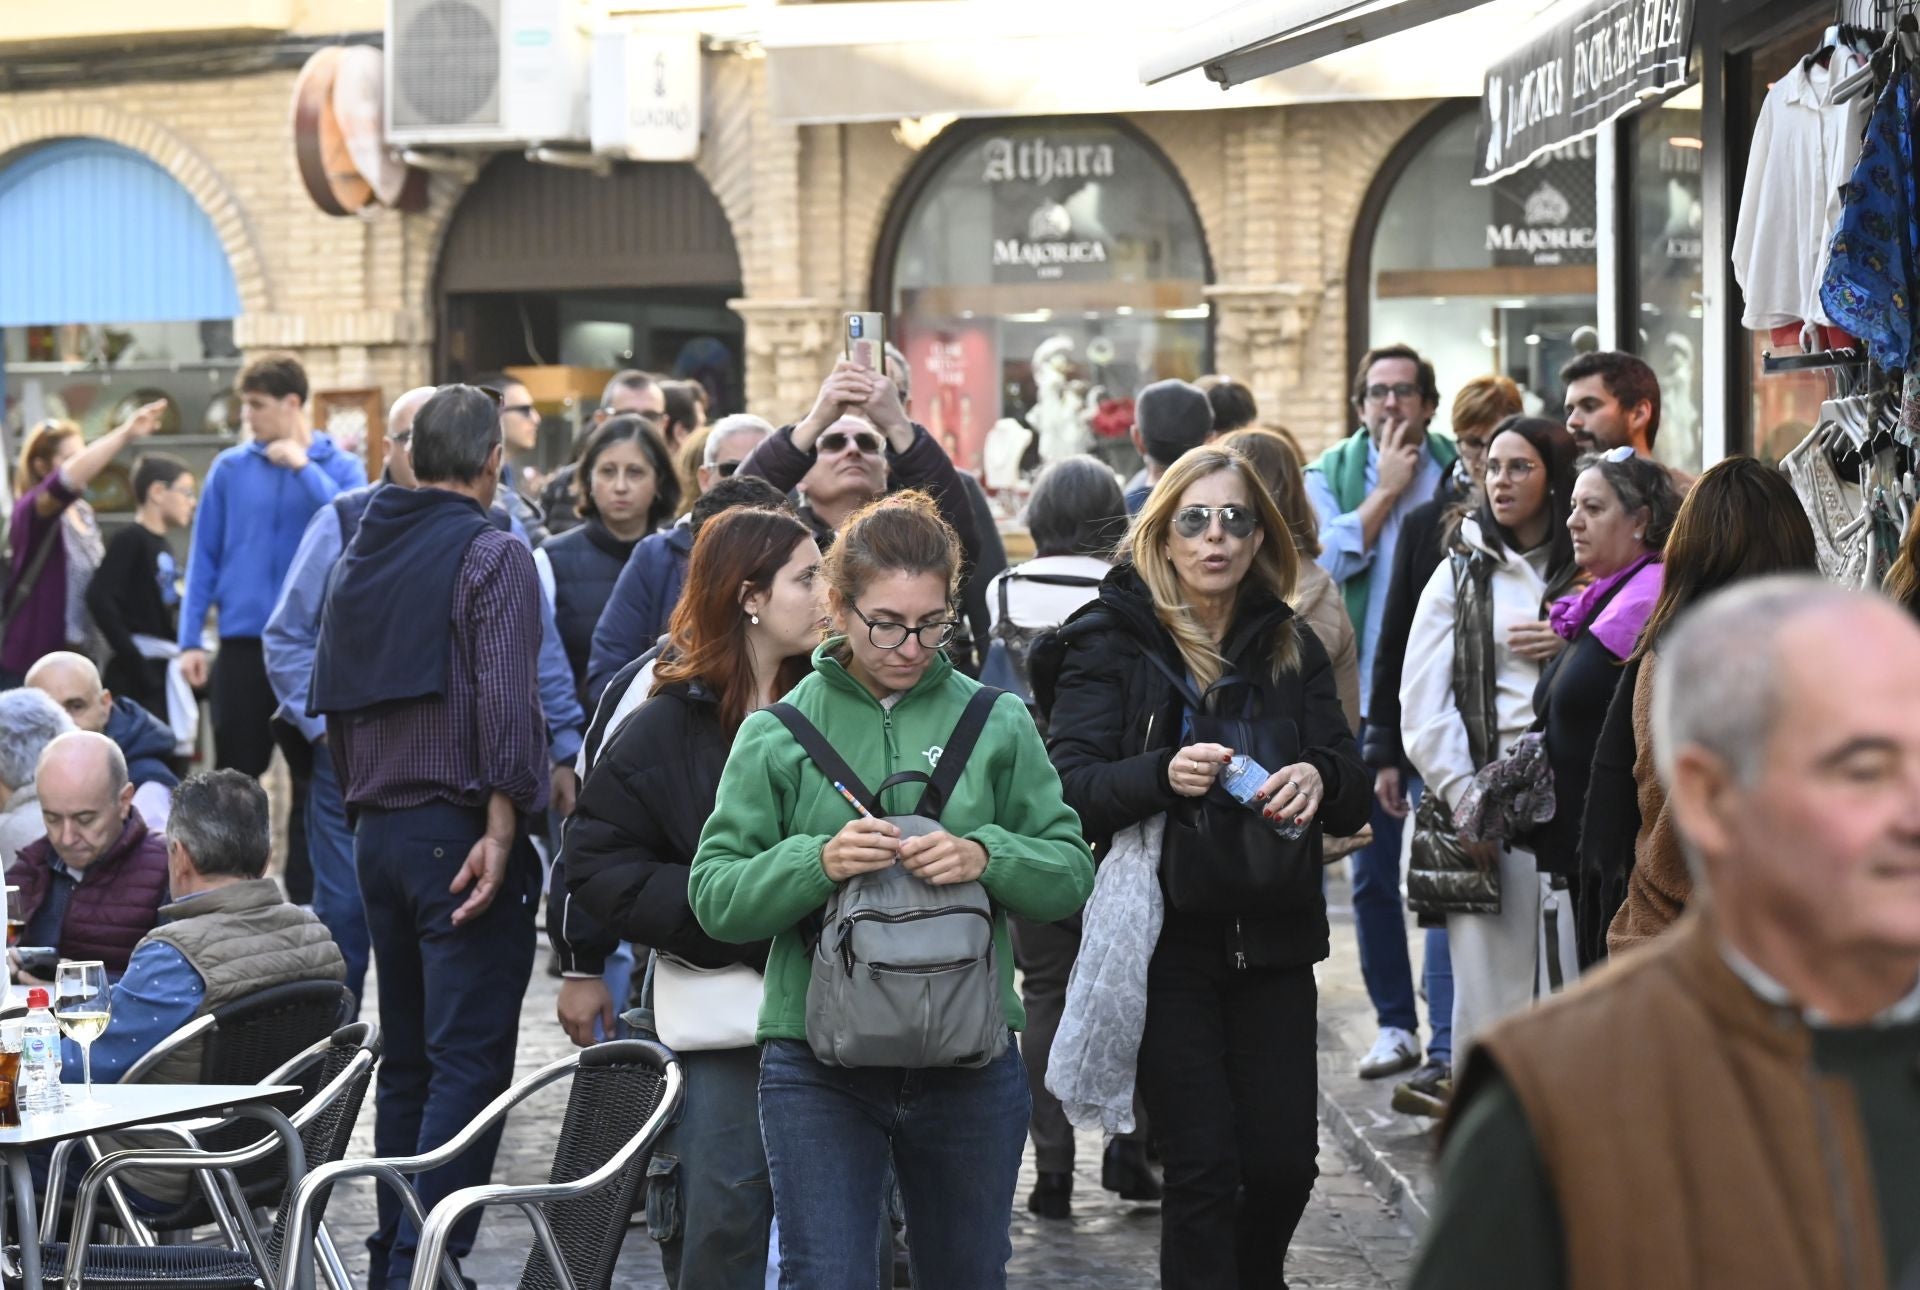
pixel 1115 722
pixel 630 841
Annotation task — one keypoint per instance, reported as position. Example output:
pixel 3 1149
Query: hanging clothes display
pixel 1805 147
pixel 1871 276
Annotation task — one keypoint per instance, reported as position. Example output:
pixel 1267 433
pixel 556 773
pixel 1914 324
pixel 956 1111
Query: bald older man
pixel 289 641
pixel 73 682
pixel 1734 1104
pixel 93 886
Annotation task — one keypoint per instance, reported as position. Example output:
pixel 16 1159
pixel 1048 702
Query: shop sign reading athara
pixel 1053 192
pixel 1598 60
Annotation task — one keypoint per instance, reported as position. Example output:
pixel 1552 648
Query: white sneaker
pixel 1394 1051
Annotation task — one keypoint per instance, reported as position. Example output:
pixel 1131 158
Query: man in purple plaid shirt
pixel 426 670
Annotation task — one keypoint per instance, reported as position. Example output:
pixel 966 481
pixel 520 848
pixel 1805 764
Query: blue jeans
pixel 954 1136
pixel 336 882
pixel 450 1043
pixel 1380 918
pixel 709 1204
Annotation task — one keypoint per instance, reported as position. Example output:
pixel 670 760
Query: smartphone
pixel 40 960
pixel 867 341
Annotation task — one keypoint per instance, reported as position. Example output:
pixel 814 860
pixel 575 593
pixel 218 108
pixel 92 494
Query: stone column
pixel 1260 335
pixel 791 346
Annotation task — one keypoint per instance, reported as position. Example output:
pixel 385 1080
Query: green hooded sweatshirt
pixel 758 873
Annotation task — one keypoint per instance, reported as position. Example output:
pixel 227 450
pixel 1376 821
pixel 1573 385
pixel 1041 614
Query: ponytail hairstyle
pixel 899 533
pixel 36 454
pixel 737 552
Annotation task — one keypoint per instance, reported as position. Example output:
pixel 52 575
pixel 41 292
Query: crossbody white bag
pixel 698 1009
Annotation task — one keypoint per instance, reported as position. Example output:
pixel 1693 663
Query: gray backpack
pixel 903 972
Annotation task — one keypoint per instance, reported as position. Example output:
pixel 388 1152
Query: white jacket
pixel 1431 728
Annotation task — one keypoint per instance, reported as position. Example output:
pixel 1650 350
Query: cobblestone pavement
pixel 1348 1239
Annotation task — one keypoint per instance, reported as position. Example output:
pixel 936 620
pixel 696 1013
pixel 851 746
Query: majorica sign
pixel 1598 60
pixel 1037 161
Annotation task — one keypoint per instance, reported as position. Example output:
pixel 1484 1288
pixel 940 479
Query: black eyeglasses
pixel 524 409
pixel 1403 390
pixel 886 635
pixel 837 440
pixel 1192 521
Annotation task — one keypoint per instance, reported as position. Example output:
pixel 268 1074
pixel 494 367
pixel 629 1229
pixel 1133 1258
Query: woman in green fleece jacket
pixel 781 838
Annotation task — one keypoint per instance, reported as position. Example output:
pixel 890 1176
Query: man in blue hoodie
pixel 253 509
pixel 73 682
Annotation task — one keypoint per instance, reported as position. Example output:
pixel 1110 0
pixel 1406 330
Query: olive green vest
pixel 241 938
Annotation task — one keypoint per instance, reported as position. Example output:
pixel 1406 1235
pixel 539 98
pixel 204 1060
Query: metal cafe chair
pixel 335 1073
pixel 242 1041
pixel 624 1093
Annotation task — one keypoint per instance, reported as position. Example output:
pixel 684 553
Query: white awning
pixel 1259 39
pixel 892 59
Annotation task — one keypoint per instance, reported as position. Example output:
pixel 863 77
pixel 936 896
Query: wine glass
pixel 82 1001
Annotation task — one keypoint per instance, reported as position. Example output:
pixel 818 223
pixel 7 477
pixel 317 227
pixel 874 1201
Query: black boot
pixel 1052 1196
pixel 1124 1169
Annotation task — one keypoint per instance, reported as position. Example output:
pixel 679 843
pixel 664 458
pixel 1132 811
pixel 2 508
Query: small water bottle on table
pixel 1242 779
pixel 39 1088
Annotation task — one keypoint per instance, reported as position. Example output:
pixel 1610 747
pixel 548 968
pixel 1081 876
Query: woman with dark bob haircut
pixel 627 489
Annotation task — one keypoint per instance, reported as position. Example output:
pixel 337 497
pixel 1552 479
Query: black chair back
pixel 252 1037
pixel 326 1136
pixel 616 1089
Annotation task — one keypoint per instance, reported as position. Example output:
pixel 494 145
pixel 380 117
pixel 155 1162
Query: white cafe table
pixel 123 1106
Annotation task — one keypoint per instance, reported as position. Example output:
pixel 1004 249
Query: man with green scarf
pixel 1363 488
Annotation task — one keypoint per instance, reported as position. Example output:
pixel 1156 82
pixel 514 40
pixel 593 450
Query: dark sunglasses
pixel 1192 521
pixel 524 409
pixel 836 441
pixel 725 469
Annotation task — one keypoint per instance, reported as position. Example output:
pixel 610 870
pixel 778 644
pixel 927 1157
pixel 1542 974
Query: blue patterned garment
pixel 1874 272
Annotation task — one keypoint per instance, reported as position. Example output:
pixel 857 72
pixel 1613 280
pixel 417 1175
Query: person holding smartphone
pixel 856 445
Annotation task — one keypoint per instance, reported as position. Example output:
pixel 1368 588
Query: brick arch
pixel 23 128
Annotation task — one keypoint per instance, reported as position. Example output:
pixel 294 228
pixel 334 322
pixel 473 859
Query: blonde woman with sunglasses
pixel 1191 638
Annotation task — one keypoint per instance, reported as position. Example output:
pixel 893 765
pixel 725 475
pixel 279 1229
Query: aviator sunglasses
pixel 1192 521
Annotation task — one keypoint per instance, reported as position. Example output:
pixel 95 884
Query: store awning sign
pixel 1595 62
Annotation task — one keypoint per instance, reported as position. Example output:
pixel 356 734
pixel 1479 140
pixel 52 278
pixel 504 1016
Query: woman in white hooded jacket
pixel 1485 611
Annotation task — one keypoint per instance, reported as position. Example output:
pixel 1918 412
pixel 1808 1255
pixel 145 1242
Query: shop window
pixel 1479 279
pixel 1044 272
pixel 1667 317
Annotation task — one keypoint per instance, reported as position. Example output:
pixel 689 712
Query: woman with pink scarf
pixel 1623 508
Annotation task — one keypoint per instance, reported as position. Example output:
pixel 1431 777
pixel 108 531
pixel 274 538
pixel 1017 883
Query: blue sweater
pixel 252 514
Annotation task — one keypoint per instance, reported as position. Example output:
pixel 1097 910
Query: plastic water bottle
pixel 39 1087
pixel 1242 779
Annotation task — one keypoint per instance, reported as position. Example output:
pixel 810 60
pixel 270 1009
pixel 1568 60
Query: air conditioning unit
pixel 486 73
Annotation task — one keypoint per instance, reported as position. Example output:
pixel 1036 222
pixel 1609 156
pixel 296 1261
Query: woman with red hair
pixel 752 612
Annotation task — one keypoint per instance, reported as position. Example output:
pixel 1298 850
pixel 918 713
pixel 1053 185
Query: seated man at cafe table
pixel 93 886
pixel 228 933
